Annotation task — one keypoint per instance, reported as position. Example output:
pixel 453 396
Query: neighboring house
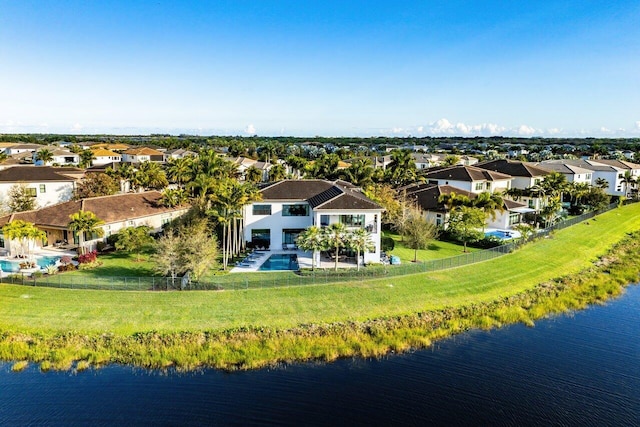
pixel 469 178
pixel 625 166
pixel 60 156
pixel 117 147
pixel 46 184
pixel 23 148
pixel 244 163
pixel 178 153
pixel 572 173
pixel 596 169
pixel 427 197
pixel 524 176
pixel 102 156
pixel 142 154
pixel 118 211
pixel 290 206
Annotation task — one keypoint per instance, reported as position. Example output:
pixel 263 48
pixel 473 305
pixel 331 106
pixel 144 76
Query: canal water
pixel 572 370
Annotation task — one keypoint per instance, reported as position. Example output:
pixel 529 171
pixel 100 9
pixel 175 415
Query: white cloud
pixel 420 129
pixel 445 127
pixel 638 125
pixel 526 130
pixel 250 129
pixel 398 130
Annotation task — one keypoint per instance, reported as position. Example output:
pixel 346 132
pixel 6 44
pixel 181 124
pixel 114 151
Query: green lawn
pixel 568 251
pixel 118 264
pixel 436 249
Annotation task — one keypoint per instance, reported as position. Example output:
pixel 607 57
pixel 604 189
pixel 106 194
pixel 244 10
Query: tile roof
pixel 465 173
pixel 320 194
pixel 622 164
pixel 32 174
pixel 110 209
pixel 513 168
pixel 428 195
pixel 143 151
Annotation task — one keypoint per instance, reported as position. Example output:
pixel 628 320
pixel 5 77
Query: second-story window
pixel 262 209
pixel 295 210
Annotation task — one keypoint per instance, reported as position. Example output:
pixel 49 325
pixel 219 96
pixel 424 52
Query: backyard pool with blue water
pixel 12 266
pixel 280 262
pixel 503 234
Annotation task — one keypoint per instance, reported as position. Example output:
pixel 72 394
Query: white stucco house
pixel 46 184
pixel 470 178
pixel 59 156
pixel 102 156
pixel 290 206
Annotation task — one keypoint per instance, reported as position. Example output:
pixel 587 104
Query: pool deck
pixel 37 253
pixel 304 261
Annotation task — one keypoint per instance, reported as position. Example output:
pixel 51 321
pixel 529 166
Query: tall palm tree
pixel 277 172
pixel 311 240
pixel 335 236
pixel 628 180
pixel 173 197
pixel 180 170
pixel 126 174
pixel 201 188
pixel 360 240
pixel 85 222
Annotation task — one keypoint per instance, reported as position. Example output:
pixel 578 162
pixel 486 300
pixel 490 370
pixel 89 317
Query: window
pixel 165 219
pixel 43 188
pixel 479 186
pixel 514 218
pixel 31 192
pixel 131 223
pixel 262 209
pixel 324 220
pixel 537 181
pixel 295 210
pixel 261 238
pixel 488 186
pixel 588 176
pixel 352 220
pixel 532 204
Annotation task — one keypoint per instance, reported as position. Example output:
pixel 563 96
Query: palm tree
pixel 335 237
pixel 628 180
pixel 180 170
pixel 555 184
pixel 125 173
pixel 86 157
pixel 173 197
pixel 201 188
pixel 602 183
pixel 44 155
pixel 360 172
pixel 360 240
pixel 253 174
pixel 490 203
pixel 23 231
pixel 402 169
pixel 85 222
pixel 277 172
pixel 311 239
pixel 151 176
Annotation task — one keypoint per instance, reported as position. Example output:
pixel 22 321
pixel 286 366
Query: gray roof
pixel 32 174
pixel 513 168
pixel 320 194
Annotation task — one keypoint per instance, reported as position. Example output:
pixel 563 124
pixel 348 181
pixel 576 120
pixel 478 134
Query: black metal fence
pixel 303 278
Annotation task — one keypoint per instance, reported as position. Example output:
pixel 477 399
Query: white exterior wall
pixel 276 223
pixel 523 182
pixel 55 192
pixel 103 160
pixel 154 222
pixel 616 187
pixel 372 224
pixel 135 158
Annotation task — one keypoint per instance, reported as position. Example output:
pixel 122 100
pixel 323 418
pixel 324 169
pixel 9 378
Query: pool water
pixel 504 235
pixel 14 265
pixel 278 262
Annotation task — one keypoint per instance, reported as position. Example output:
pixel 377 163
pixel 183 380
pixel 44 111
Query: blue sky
pixel 332 68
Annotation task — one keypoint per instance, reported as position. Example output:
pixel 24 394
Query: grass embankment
pixel 248 329
pixel 436 249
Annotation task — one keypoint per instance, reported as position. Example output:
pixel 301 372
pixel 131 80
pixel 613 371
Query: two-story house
pixel 470 178
pixel 44 183
pixel 290 206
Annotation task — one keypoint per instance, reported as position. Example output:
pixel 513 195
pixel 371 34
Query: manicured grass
pixel 118 264
pixel 436 249
pixel 567 252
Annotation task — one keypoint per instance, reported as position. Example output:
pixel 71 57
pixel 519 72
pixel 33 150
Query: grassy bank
pixel 251 328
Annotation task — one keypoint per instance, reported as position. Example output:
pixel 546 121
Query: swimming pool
pixel 14 265
pixel 503 234
pixel 277 262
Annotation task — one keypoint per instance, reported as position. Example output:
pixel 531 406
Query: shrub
pixel 88 258
pixel 111 240
pixel 66 267
pixel 65 260
pixel 100 246
pixel 387 243
pixel 89 265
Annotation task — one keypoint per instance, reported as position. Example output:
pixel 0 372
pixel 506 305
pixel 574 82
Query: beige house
pixel 118 211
